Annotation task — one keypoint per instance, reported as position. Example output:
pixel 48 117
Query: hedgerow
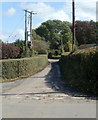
pixel 15 68
pixel 81 70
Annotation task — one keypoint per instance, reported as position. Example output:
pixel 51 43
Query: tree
pixel 36 36
pixel 85 32
pixel 9 51
pixel 40 46
pixel 97 32
pixel 53 31
pixel 21 45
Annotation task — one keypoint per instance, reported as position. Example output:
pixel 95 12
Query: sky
pixel 12 14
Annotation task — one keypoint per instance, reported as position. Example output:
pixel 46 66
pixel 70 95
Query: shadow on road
pixel 55 80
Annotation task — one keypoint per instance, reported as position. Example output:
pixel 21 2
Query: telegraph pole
pixel 28 31
pixel 73 25
pixel 31 29
pixel 62 47
pixel 26 34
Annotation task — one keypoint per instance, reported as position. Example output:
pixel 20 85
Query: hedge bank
pixel 80 69
pixel 16 68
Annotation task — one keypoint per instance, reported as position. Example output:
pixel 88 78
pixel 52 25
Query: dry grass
pixel 86 50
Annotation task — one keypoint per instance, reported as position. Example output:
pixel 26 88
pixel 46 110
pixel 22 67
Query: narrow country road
pixel 45 95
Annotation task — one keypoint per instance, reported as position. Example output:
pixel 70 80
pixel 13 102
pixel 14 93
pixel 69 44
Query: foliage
pixel 21 45
pixel 16 68
pixel 68 46
pixel 86 32
pixel 40 46
pixel 36 36
pixel 80 69
pixel 97 32
pixel 53 31
pixel 9 51
pixel 25 51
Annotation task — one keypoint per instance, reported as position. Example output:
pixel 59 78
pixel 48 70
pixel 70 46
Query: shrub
pixel 22 67
pixel 40 46
pixel 9 51
pixel 57 52
pixel 81 70
pixel 24 51
pixel 68 46
pixel 50 55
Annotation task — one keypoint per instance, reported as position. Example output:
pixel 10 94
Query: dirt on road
pixel 45 95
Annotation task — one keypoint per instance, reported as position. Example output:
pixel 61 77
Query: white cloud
pixel 20 34
pixel 3 37
pixel 86 1
pixel 85 10
pixel 37 25
pixel 10 12
pixel 7 37
pixel 46 12
pixel 61 15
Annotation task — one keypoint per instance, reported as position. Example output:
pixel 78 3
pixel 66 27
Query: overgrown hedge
pixel 81 70
pixel 15 68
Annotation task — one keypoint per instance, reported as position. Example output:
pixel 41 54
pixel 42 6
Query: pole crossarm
pixel 28 33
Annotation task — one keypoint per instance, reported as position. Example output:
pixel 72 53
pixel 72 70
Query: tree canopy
pixel 53 31
pixel 86 32
pixel 53 36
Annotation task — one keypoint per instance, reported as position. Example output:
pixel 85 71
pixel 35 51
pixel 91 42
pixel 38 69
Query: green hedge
pixel 16 68
pixel 81 70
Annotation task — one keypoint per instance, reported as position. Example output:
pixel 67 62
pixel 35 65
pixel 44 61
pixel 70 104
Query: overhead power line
pixel 28 31
pixel 16 26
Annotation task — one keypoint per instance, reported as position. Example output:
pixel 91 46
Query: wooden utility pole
pixel 62 47
pixel 73 25
pixel 26 34
pixel 28 31
pixel 31 29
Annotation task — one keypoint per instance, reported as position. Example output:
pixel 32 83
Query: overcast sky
pixel 13 14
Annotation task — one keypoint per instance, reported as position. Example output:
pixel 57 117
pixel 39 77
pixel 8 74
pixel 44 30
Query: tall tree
pixel 85 32
pixel 53 31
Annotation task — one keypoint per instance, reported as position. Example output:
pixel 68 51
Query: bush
pixel 24 52
pixel 50 55
pixel 9 51
pixel 40 46
pixel 68 46
pixel 57 52
pixel 35 52
pixel 12 69
pixel 81 70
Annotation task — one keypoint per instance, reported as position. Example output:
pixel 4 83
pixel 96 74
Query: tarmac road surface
pixel 45 95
